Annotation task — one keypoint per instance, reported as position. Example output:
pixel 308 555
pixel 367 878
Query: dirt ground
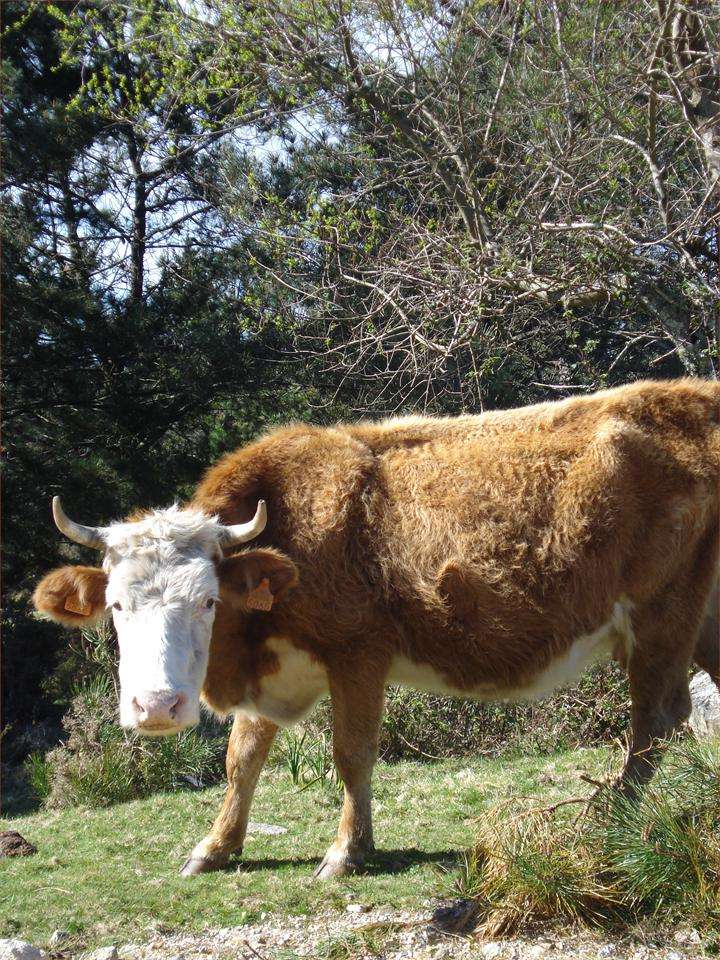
pixel 396 935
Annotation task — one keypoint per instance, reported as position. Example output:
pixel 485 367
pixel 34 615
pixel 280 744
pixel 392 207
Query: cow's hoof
pixel 337 865
pixel 197 865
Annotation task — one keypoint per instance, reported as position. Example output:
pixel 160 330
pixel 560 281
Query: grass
pixel 110 875
pixel 655 857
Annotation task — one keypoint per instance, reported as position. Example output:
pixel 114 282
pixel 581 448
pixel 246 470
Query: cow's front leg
pixel 357 710
pixel 248 747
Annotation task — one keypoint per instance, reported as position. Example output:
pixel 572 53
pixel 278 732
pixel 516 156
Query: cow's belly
pixel 290 693
pixel 564 669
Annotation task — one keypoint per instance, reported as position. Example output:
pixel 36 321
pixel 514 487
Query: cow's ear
pixel 258 578
pixel 73 596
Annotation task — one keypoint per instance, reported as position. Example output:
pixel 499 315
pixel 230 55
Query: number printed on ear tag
pixel 261 598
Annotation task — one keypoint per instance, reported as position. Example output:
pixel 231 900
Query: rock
pixel 705 716
pixel 688 936
pixel 490 951
pixel 269 828
pixel 607 950
pixel 537 951
pixel 104 953
pixel 19 949
pixel 356 908
pixel 58 937
pixel 460 917
pixel 12 844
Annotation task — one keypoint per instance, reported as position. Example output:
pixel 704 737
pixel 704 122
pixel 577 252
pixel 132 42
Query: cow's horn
pixel 241 532
pixel 87 536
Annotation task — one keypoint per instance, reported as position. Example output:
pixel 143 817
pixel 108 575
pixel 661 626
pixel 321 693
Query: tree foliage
pixel 137 346
pixel 506 193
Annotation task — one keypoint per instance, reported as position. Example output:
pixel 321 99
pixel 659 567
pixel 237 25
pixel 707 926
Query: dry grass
pixel 626 860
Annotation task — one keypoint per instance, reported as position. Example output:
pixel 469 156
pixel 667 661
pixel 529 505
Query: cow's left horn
pixel 87 536
pixel 241 532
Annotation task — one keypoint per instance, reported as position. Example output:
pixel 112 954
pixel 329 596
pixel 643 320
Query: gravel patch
pixel 393 935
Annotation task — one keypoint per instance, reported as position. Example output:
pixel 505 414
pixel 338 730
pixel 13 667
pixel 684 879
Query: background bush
pixel 595 710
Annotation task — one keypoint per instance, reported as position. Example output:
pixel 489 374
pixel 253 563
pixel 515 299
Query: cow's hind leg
pixel 248 747
pixel 663 648
pixel 357 711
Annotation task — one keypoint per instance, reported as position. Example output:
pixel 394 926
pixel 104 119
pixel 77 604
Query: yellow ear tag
pixel 75 605
pixel 260 598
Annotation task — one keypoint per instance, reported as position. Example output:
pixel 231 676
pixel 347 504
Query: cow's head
pixel 161 579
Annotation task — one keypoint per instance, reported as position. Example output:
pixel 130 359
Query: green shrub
pixel 664 848
pixel 657 855
pixel 38 773
pixel 594 711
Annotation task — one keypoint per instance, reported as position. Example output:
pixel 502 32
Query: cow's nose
pixel 158 709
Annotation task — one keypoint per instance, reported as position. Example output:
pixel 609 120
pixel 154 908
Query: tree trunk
pixel 139 222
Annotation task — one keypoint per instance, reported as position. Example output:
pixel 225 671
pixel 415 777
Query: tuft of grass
pixel 526 869
pixel 664 848
pixel 654 856
pixel 39 776
pixel 354 945
pixel 307 758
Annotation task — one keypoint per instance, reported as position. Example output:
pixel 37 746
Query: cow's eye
pixel 117 605
pixel 210 602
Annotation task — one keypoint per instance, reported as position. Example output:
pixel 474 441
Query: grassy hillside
pixel 110 875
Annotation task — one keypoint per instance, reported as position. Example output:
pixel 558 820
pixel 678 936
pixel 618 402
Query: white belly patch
pixel 289 694
pixel 563 670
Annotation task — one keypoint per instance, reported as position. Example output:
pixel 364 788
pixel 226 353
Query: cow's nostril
pixel 138 706
pixel 179 701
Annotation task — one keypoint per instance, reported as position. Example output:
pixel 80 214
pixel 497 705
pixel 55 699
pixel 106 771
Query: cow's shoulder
pixel 302 471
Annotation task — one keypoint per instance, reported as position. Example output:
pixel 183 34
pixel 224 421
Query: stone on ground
pixel 272 829
pixel 104 953
pixel 705 716
pixel 19 950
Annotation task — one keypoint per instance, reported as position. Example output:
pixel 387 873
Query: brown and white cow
pixel 488 556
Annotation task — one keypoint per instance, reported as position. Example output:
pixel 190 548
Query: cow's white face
pixel 160 580
pixel 162 590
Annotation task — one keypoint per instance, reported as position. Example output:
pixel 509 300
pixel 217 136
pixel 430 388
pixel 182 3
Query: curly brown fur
pixel 73 596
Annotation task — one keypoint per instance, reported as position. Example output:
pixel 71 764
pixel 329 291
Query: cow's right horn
pixel 87 536
pixel 242 532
